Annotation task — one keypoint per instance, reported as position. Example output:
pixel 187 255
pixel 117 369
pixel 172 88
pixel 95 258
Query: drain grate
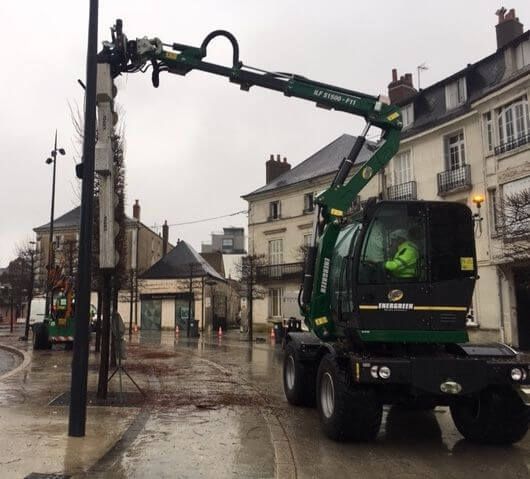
pixel 114 399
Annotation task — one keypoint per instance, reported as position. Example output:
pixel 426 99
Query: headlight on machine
pixel 384 372
pixel 373 371
pixel 517 374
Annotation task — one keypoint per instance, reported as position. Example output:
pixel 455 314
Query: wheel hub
pixel 327 395
pixel 290 372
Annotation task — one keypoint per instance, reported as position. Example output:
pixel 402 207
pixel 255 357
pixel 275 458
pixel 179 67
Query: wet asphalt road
pixel 216 409
pixel 410 444
pixel 8 361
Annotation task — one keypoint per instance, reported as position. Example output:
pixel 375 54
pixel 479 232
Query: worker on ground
pixel 405 261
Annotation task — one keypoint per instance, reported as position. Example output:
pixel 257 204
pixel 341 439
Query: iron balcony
pixel 404 191
pixel 275 272
pixel 512 144
pixel 454 180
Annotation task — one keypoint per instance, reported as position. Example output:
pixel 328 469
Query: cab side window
pixel 340 287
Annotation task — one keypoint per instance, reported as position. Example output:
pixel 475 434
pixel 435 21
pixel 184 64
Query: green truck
pixel 378 334
pixel 58 327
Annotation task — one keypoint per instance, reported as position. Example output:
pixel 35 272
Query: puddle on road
pixel 187 443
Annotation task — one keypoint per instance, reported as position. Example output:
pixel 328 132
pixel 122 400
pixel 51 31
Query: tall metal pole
pixel 131 300
pixel 136 268
pixel 49 291
pixel 30 293
pixel 105 338
pixel 190 293
pixel 11 307
pixel 250 296
pixel 78 390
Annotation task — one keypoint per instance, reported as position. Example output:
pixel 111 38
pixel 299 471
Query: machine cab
pixel 408 266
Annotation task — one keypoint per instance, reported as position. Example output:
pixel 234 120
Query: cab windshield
pixel 394 246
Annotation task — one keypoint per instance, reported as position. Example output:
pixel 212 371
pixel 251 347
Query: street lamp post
pixel 51 160
pixel 11 310
pixel 32 253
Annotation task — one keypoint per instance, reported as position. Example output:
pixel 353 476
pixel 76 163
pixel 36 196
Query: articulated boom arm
pixel 128 56
pixel 138 55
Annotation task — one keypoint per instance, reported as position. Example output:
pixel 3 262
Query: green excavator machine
pixel 385 291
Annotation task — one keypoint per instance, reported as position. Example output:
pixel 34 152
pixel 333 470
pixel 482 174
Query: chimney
pixel 165 237
pixel 508 27
pixel 400 90
pixel 275 167
pixel 136 210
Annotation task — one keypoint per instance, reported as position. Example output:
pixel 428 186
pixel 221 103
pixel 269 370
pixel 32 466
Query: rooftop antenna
pixel 421 67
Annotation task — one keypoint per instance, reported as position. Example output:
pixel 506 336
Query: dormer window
pixel 407 113
pixel 309 202
pixel 456 93
pixel 274 210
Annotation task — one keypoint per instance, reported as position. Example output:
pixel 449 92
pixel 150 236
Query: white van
pixel 38 306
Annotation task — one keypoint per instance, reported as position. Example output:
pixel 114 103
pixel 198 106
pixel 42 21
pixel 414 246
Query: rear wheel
pixel 494 416
pixel 40 337
pixel 347 412
pixel 298 379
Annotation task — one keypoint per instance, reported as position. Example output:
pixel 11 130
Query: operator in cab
pixel 405 261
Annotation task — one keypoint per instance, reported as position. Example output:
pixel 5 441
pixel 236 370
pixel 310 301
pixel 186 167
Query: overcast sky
pixel 197 143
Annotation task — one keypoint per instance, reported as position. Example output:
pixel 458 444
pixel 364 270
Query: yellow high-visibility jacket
pixel 404 264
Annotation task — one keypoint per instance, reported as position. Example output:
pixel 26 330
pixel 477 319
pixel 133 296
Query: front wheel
pixel 494 416
pixel 298 379
pixel 347 411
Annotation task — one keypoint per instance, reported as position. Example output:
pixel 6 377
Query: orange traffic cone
pixel 220 332
pixel 135 328
pixel 177 330
pixel 273 335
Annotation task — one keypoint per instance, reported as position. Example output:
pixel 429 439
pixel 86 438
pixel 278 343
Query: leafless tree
pixel 19 277
pixel 513 221
pixel 513 227
pixel 251 269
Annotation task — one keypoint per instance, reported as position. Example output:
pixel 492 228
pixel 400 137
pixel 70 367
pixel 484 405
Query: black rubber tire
pixel 302 391
pixel 40 337
pixel 357 410
pixel 496 415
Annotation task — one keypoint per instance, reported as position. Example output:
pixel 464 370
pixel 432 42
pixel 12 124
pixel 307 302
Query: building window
pixel 58 243
pixel 276 251
pixel 456 93
pixel 454 149
pixel 274 210
pixel 494 211
pixel 488 131
pixel 308 240
pixel 228 243
pixel 513 123
pixel 275 302
pixel 407 113
pixel 308 202
pixel 402 168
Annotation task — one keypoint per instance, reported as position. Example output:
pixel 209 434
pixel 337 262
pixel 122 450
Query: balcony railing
pixel 404 191
pixel 452 180
pixel 273 272
pixel 512 144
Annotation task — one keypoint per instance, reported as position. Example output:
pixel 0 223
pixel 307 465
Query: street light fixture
pixel 51 160
pixel 478 199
